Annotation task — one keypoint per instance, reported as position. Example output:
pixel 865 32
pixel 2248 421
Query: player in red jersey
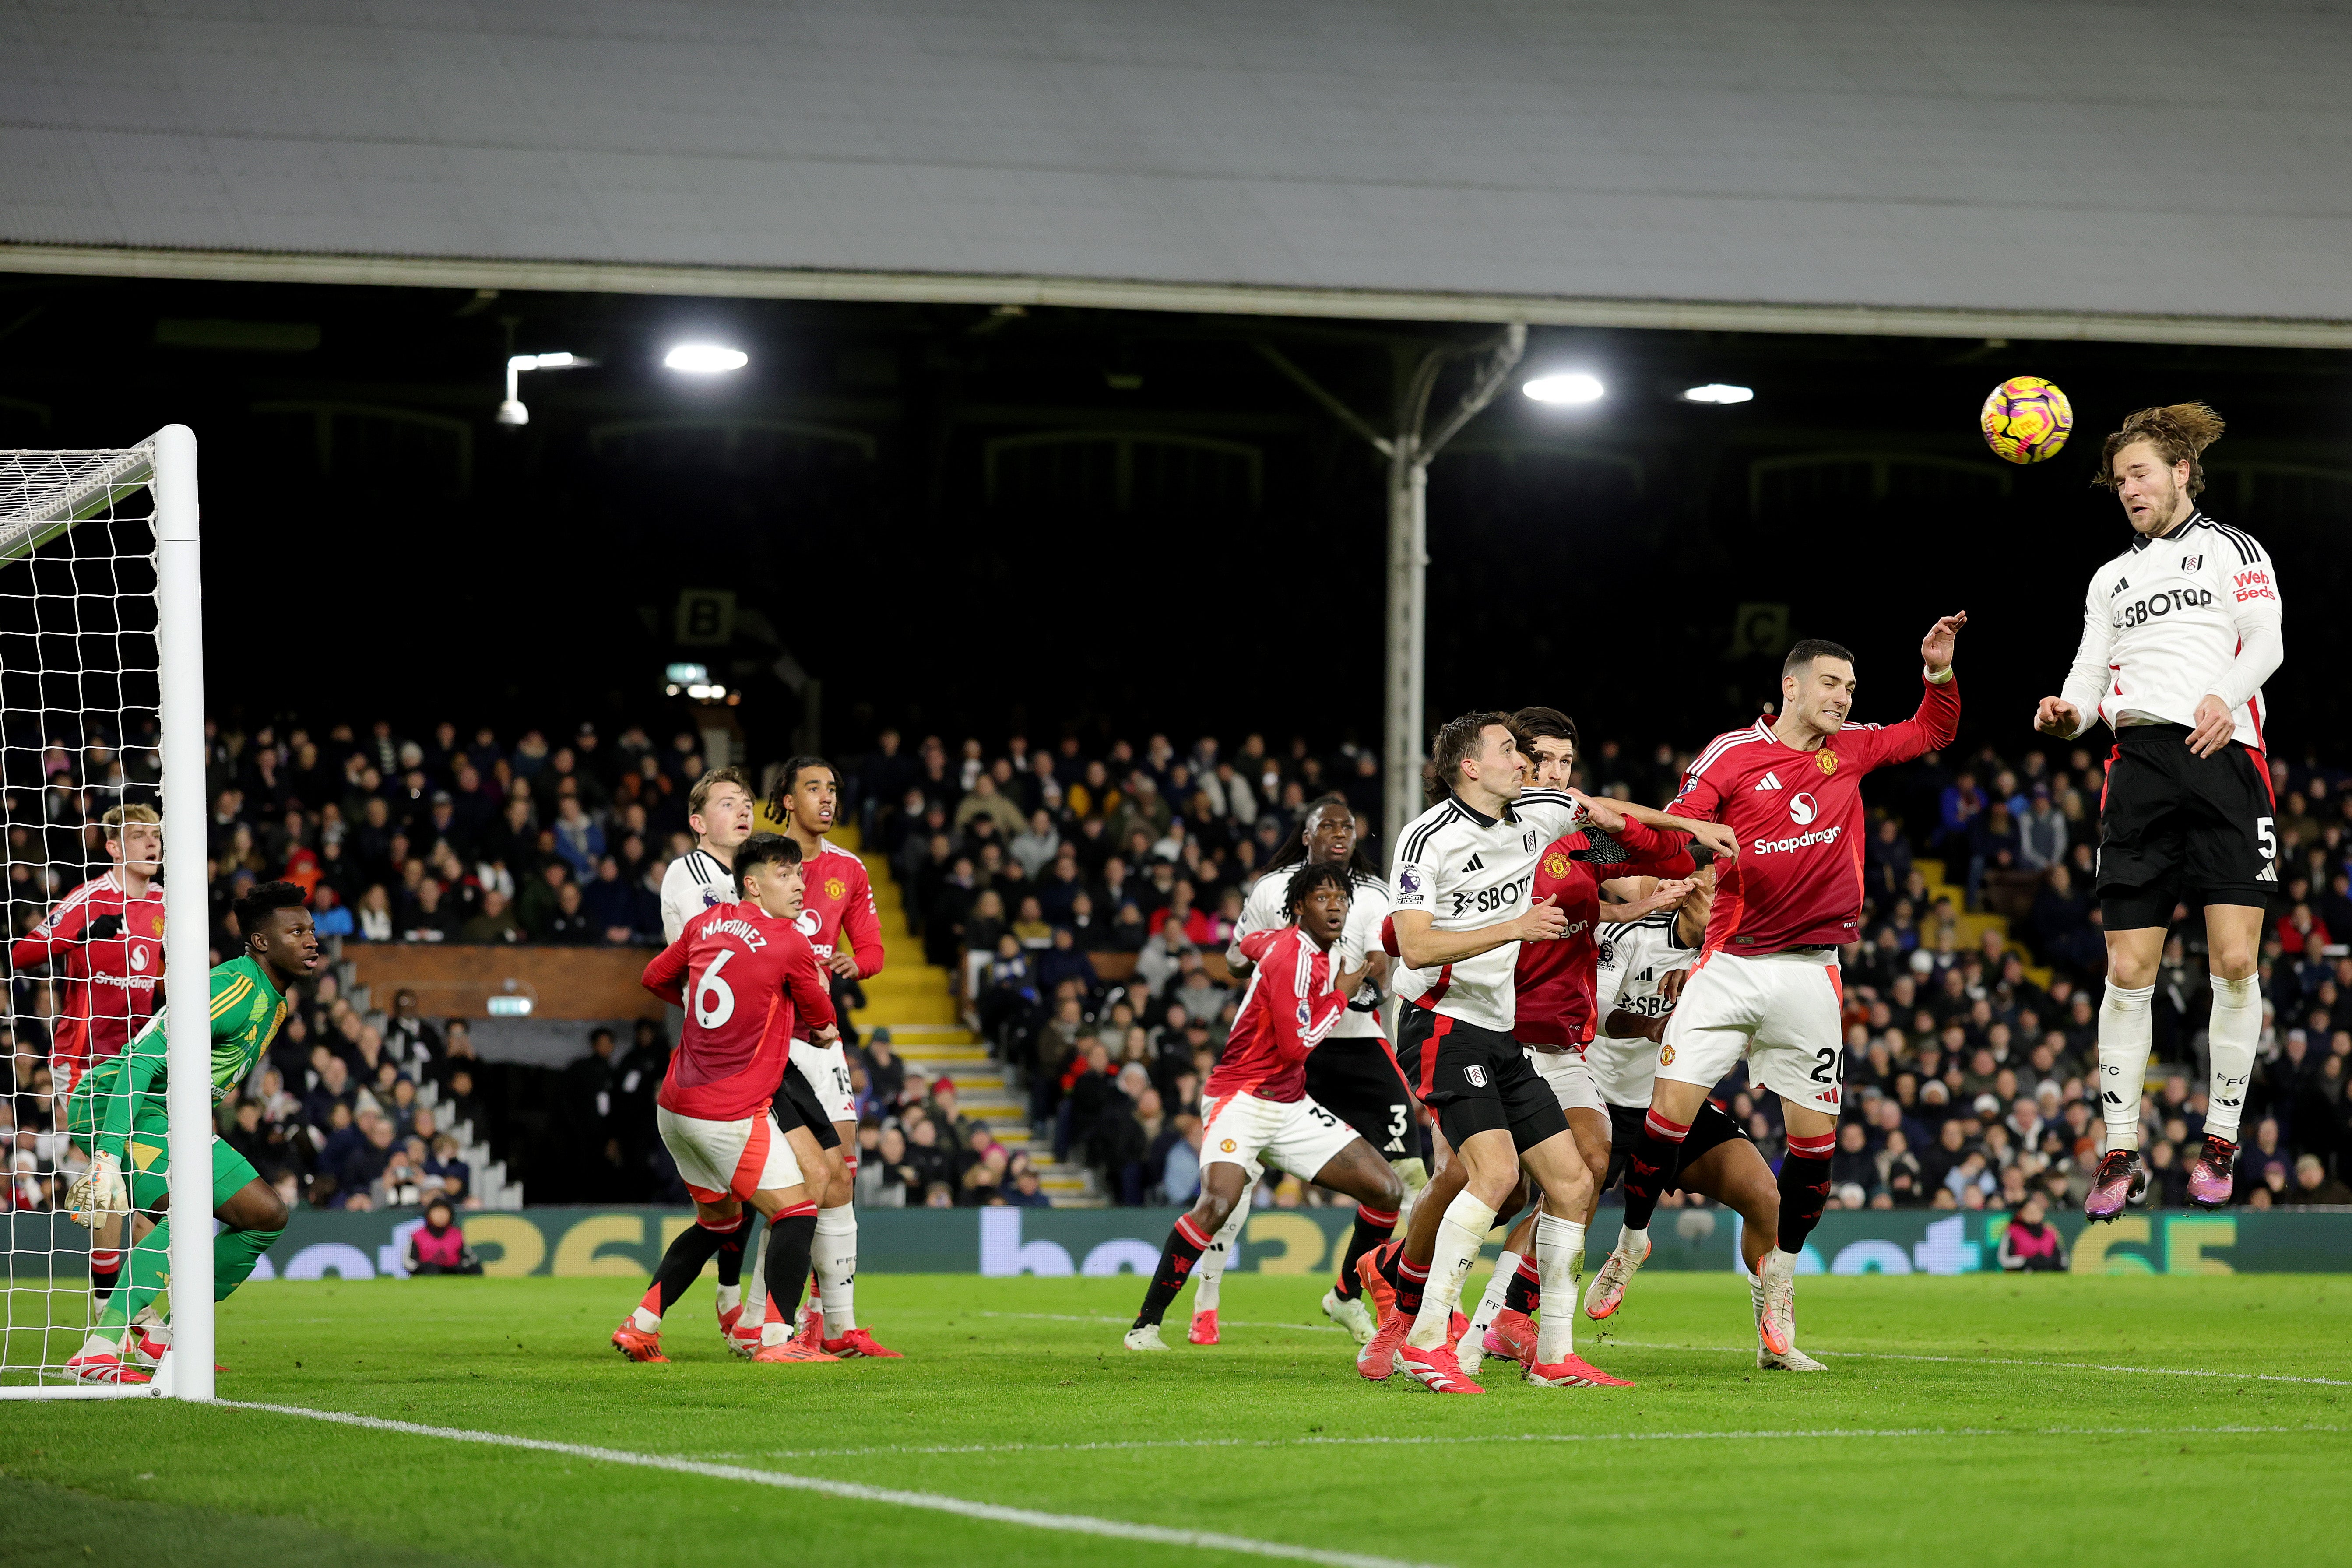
pixel 839 922
pixel 1255 1105
pixel 105 938
pixel 1556 979
pixel 749 982
pixel 1766 985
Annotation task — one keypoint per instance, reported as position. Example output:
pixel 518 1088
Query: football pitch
pixel 1988 1418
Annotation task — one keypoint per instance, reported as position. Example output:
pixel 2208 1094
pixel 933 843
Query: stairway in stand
pixel 915 1002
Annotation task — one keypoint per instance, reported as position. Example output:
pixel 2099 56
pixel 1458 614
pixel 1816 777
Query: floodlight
pixel 512 412
pixel 705 359
pixel 1719 392
pixel 1567 386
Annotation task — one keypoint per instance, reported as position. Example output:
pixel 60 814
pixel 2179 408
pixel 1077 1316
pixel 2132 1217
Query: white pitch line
pixel 935 1502
pixel 1456 1439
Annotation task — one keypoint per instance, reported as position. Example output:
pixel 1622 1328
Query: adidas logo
pixel 2267 874
pixel 1770 780
pixel 1476 864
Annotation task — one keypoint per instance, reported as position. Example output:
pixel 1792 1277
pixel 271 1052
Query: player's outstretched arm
pixel 665 975
pixel 1716 835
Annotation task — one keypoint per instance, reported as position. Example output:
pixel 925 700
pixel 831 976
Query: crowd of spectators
pixel 1083 899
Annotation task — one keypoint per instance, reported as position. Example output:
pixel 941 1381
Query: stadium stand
pixel 1055 922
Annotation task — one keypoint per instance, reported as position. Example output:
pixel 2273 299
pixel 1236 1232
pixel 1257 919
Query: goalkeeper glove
pixel 106 927
pixel 98 1193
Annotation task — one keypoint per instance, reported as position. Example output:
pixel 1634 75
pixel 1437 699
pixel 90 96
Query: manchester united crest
pixel 1826 759
pixel 1227 1146
pixel 835 888
pixel 1555 863
pixel 1665 1056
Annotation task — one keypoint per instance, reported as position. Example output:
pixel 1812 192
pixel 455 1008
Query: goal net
pixel 101 764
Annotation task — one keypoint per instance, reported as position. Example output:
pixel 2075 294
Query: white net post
pixel 180 653
pixel 98 567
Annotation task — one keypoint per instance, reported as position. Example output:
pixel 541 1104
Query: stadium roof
pixel 2164 171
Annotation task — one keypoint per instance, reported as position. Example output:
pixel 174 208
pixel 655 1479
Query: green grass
pixel 1999 1463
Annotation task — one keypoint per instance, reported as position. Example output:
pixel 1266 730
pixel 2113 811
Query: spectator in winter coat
pixel 2030 1242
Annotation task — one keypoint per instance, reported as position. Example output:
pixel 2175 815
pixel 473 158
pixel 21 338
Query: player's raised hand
pixel 1545 921
pixel 2058 717
pixel 1936 651
pixel 1601 814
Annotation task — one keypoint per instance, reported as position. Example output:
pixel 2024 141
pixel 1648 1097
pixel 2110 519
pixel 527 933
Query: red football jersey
pixel 111 985
pixel 1285 1014
pixel 743 977
pixel 839 907
pixel 1555 979
pixel 1798 880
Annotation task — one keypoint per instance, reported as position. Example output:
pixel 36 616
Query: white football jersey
pixel 2164 623
pixel 695 881
pixel 1469 870
pixel 1367 907
pixel 1636 956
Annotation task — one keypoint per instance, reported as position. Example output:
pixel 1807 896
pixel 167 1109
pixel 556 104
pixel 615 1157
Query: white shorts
pixel 826 1067
pixel 1783 1010
pixel 1297 1136
pixel 1571 1081
pixel 719 1160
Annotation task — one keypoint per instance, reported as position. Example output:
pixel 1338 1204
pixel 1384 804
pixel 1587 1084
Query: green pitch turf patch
pixel 2010 1420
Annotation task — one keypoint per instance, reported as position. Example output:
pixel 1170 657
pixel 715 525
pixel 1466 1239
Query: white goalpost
pixel 101 704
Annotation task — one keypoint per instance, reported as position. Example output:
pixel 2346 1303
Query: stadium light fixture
pixel 1719 392
pixel 512 412
pixel 1572 386
pixel 705 359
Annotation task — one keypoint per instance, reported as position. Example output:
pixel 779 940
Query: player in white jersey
pixel 1353 1074
pixel 1462 880
pixel 719 810
pixel 2178 633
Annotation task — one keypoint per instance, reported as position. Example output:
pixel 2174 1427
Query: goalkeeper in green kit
pixel 116 1112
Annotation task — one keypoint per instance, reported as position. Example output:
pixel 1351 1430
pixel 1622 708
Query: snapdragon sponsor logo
pixel 1782 846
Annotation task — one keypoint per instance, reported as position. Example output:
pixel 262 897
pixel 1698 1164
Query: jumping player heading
pixel 1766 985
pixel 2180 632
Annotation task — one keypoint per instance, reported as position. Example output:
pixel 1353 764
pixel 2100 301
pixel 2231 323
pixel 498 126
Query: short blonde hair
pixel 117 818
pixel 699 795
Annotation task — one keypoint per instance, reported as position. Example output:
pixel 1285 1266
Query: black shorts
pixel 796 1105
pixel 1477 1081
pixel 1355 1080
pixel 1711 1127
pixel 2176 827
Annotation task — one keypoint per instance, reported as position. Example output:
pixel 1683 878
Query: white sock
pixel 2125 1025
pixel 1755 1295
pixel 833 1254
pixel 645 1323
pixel 1631 1241
pixel 1778 1265
pixel 1209 1274
pixel 731 1296
pixel 1490 1305
pixel 755 1289
pixel 1559 1259
pixel 2229 1042
pixel 1459 1236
